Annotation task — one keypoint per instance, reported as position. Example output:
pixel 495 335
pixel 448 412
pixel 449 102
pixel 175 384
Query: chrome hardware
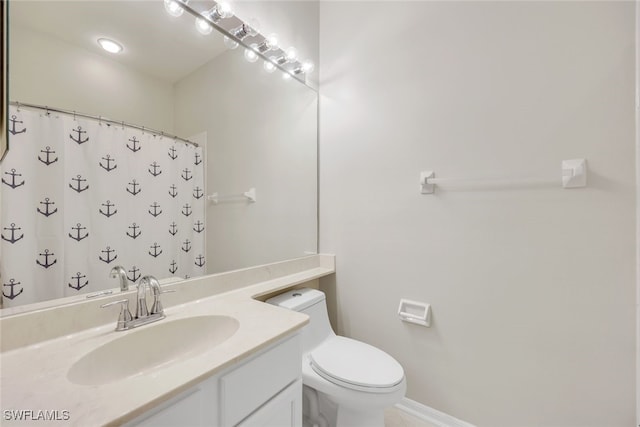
pixel 143 316
pixel 125 318
pixel 141 308
pixel 119 272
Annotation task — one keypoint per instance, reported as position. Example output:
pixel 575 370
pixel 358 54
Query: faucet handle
pixel 157 305
pixel 125 315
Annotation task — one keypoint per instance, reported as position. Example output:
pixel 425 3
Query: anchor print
pixel 134 188
pixel 79 180
pixel 198 193
pixel 108 160
pixel 173 192
pixel 199 260
pixel 174 267
pixel 198 226
pixel 108 205
pixel 46 256
pixel 155 207
pixel 135 274
pixel 11 285
pixel 80 132
pixel 186 174
pixel 172 153
pixel 107 251
pixel 136 146
pixel 173 228
pixel 186 210
pixel 14 120
pixel 78 235
pixel 186 245
pixel 13 230
pixel 47 152
pixel 155 167
pixel 134 231
pixel 155 248
pixel 46 204
pixel 198 159
pixel 78 278
pixel 13 175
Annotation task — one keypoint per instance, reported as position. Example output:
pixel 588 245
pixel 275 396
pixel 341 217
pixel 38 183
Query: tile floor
pixel 394 417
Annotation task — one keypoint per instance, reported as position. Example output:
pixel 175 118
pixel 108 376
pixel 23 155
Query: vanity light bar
pixel 239 32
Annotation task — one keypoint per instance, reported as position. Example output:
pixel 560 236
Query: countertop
pixel 34 377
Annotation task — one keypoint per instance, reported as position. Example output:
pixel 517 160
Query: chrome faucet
pixel 143 316
pixel 119 272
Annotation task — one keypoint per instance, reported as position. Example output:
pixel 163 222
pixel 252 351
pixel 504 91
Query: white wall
pixel 532 288
pixel 262 133
pixel 48 71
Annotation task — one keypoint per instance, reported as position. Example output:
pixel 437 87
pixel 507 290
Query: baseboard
pixel 430 415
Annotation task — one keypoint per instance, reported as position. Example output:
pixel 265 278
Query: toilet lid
pixel 355 365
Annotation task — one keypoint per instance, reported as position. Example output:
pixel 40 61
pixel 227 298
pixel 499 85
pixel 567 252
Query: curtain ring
pixel 47 110
pixel 18 109
pixel 74 116
pixel 123 125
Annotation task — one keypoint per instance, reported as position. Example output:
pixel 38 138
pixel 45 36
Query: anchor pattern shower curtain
pixel 80 196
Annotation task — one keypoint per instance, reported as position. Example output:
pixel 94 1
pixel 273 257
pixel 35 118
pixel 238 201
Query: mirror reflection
pixel 89 184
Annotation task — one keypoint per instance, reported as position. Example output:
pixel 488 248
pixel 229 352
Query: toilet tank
pixel 311 302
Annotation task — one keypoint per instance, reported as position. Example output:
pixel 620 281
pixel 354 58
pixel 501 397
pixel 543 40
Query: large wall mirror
pixel 88 183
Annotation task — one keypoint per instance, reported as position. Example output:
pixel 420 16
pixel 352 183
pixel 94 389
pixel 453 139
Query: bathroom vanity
pixel 264 390
pixel 220 357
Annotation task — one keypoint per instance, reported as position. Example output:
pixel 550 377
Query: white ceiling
pixel 154 42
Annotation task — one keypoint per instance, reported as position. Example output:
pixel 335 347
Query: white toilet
pixel 346 382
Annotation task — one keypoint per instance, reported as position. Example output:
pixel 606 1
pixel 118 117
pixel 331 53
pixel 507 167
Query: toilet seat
pixel 355 365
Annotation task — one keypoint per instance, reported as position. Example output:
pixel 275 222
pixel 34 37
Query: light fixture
pixel 290 55
pixel 203 26
pixel 306 67
pixel 215 14
pixel 174 7
pixel 220 11
pixel 250 54
pixel 109 45
pixel 269 66
pixel 244 31
pixel 230 43
pixel 269 43
pixel 286 76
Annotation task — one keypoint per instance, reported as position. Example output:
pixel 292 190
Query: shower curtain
pixel 80 196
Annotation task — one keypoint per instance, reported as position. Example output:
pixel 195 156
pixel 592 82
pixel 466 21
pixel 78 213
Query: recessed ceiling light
pixel 110 46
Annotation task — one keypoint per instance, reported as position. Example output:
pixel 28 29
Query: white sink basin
pixel 151 346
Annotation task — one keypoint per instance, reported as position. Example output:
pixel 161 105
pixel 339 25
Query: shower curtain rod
pixel 103 120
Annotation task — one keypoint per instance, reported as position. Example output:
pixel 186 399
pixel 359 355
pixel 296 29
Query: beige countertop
pixel 34 376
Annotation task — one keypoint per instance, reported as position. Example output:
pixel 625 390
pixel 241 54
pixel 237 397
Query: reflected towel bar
pixel 249 195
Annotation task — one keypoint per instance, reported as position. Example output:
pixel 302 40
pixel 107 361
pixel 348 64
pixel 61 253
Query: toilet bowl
pixel 347 382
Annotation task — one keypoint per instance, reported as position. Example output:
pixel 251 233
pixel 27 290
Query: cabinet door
pixel 192 408
pixel 284 410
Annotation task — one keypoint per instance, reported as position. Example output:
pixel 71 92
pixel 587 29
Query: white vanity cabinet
pixel 263 390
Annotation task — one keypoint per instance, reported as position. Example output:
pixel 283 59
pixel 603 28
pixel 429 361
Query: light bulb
pixel 269 66
pixel 174 7
pixel 203 26
pixel 250 54
pixel 291 54
pixel 286 76
pixel 110 46
pixel 222 10
pixel 307 66
pixel 230 43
